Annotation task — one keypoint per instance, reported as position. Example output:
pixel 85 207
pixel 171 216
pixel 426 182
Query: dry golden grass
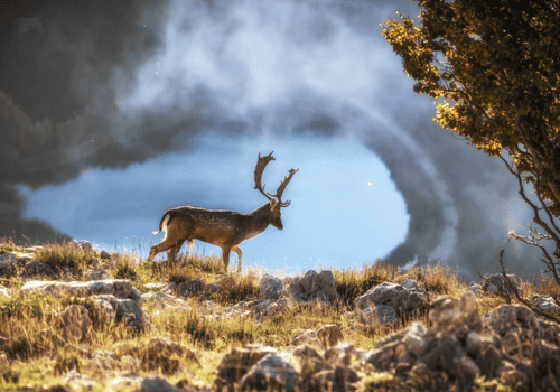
pixel 30 353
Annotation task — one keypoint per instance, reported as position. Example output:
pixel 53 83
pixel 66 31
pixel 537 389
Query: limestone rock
pixel 34 267
pixel 164 301
pixel 77 323
pixel 96 264
pixel 237 363
pixel 78 381
pixel 4 292
pixel 270 287
pixel 7 268
pixel 545 302
pixel 225 281
pixel 126 310
pixel 10 257
pixel 509 342
pixel 324 337
pixel 495 284
pixel 192 288
pixel 307 337
pixel 329 335
pixel 458 315
pixel 120 288
pixel 315 286
pixel 384 302
pixel 83 245
pixel 97 275
pixel 105 255
pixel 132 381
pixel 276 371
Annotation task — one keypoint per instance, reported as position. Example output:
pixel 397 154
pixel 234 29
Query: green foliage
pixel 66 362
pixel 123 269
pixel 209 264
pixel 162 359
pixel 438 280
pixel 100 322
pixel 151 272
pixel 497 61
pixel 204 333
pixel 242 288
pixel 186 269
pixel 22 340
pixel 182 271
pixel 421 382
pixel 9 375
pixel 63 256
pixel 379 383
pixel 11 283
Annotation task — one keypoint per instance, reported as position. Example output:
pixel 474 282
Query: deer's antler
pixel 283 186
pixel 261 164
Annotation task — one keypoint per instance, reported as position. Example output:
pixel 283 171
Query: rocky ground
pixel 509 345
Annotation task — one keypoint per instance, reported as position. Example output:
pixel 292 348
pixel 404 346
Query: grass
pixel 31 350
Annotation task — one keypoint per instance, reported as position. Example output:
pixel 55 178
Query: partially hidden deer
pixel 226 229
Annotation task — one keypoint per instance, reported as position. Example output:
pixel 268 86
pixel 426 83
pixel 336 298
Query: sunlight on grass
pixel 32 348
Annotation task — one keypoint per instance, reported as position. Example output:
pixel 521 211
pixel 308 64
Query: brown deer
pixel 226 229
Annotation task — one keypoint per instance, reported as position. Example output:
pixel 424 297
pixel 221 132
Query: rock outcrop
pixel 509 343
pixel 271 287
pixel 387 301
pixel 116 297
pixel 323 337
pixel 35 267
pixel 315 286
pixel 261 368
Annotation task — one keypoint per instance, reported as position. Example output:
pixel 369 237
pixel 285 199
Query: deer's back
pixel 203 216
pixel 213 226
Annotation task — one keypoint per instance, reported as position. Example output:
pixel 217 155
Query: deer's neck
pixel 260 219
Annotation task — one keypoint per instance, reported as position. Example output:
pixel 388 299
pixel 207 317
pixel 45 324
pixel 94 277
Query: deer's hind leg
pixel 173 250
pixel 175 236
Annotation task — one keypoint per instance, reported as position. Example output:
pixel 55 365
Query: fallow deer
pixel 226 229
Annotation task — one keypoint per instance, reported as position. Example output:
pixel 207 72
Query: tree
pixel 493 70
pixel 499 61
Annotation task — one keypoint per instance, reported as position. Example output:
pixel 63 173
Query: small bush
pixel 123 269
pixel 8 375
pixel 66 362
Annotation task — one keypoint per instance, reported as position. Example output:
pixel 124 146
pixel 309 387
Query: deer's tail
pixel 163 223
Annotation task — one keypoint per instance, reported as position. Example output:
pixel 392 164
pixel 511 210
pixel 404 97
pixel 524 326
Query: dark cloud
pixel 58 109
pixel 323 125
pixel 109 84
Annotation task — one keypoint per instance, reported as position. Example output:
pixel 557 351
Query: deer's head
pixel 275 200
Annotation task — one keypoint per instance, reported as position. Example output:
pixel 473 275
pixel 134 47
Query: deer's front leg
pixel 237 250
pixel 226 249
